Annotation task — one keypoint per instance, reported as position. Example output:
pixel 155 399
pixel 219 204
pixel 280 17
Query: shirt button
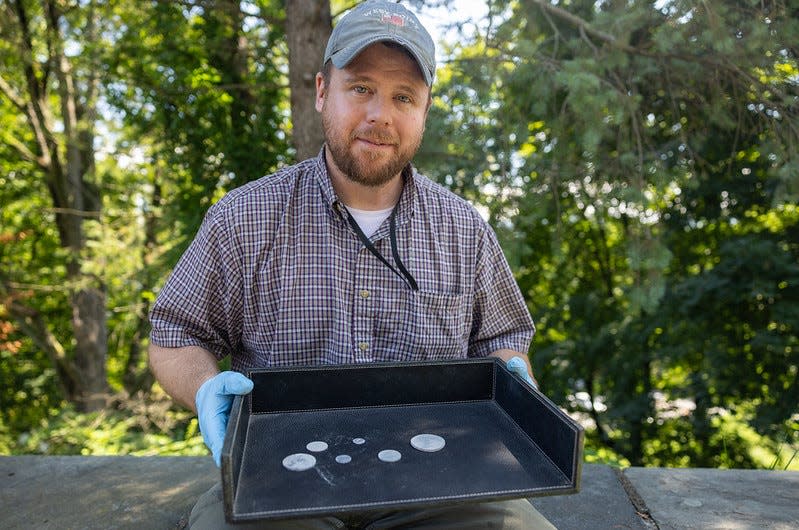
pixel 364 293
pixel 363 346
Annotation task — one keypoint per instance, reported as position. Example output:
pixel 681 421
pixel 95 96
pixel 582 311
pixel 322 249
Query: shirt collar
pixel 323 179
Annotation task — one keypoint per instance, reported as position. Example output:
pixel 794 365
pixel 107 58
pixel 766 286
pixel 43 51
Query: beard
pixel 371 169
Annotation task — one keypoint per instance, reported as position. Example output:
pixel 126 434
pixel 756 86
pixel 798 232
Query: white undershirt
pixel 369 220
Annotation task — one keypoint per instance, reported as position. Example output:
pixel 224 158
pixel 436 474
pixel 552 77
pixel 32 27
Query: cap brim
pixel 346 55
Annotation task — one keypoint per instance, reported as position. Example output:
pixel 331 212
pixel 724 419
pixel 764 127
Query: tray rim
pixel 242 408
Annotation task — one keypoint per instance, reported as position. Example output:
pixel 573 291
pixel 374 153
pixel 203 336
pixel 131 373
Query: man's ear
pixel 321 91
pixel 429 103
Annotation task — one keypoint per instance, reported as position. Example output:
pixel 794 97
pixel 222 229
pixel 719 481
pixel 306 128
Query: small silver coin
pixel 343 459
pixel 389 455
pixel 316 447
pixel 429 443
pixel 358 441
pixel 299 462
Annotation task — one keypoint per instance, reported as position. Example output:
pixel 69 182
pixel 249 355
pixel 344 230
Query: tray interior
pixel 502 439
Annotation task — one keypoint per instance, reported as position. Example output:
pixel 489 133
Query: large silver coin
pixel 316 447
pixel 299 462
pixel 429 443
pixel 389 455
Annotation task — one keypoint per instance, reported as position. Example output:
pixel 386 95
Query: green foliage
pixel 206 89
pixel 193 101
pixel 32 264
pixel 638 161
pixel 646 203
pixel 131 425
pixel 27 391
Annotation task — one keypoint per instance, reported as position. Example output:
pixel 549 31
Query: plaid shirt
pixel 277 276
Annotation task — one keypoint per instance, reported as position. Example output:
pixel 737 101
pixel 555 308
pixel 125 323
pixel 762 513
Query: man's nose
pixel 379 111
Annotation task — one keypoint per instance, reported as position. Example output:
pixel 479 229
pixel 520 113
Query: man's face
pixel 373 114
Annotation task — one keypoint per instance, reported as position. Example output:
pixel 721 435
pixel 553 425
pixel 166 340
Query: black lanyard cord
pixel 402 272
pixel 393 234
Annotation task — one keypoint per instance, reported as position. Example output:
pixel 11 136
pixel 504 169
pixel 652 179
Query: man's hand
pixel 214 400
pixel 519 367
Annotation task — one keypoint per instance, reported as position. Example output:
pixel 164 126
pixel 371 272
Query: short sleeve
pixel 200 304
pixel 500 316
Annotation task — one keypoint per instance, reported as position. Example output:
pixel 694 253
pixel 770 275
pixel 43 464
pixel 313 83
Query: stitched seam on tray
pixel 406 501
pixel 494 370
pixel 378 365
pixel 362 407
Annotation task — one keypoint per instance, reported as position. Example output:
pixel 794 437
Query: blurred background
pixel 639 161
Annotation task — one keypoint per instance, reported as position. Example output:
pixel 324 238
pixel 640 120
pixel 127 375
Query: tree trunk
pixel 74 199
pixel 89 326
pixel 308 26
pixel 88 296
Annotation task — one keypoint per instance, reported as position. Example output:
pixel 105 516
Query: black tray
pixel 503 439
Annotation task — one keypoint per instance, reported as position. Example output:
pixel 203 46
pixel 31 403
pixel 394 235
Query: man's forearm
pixel 181 371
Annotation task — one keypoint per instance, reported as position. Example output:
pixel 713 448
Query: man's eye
pixel 404 99
pixel 360 89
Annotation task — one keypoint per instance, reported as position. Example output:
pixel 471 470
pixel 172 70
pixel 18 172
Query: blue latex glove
pixel 519 367
pixel 214 400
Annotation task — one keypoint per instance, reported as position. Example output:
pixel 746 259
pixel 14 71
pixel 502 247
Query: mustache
pixel 375 135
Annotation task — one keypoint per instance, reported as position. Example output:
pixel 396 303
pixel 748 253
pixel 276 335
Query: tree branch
pixel 32 325
pixel 576 21
pixel 23 150
pixel 11 94
pixel 35 109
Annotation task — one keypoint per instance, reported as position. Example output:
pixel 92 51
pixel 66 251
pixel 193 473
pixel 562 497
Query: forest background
pixel 639 161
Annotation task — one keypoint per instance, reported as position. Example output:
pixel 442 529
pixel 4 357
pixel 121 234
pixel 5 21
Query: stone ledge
pixel 719 498
pixel 101 492
pixel 120 492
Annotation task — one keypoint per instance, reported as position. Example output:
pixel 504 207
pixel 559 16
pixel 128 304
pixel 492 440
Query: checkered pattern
pixel 276 276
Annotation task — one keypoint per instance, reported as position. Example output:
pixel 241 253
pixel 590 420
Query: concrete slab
pixel 716 498
pixel 602 503
pixel 121 492
pixel 98 492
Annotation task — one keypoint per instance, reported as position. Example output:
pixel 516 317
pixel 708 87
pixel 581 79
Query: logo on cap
pixel 396 20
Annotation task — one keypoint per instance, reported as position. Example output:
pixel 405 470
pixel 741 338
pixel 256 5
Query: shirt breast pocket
pixel 441 325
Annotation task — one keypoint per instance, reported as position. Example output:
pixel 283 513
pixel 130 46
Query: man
pixel 351 257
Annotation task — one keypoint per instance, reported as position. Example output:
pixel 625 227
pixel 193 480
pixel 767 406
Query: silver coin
pixel 389 455
pixel 316 447
pixel 358 441
pixel 429 443
pixel 299 462
pixel 343 459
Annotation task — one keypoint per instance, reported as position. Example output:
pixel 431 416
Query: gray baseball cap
pixel 377 21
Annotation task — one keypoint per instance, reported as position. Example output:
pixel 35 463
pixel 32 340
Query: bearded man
pixel 350 257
